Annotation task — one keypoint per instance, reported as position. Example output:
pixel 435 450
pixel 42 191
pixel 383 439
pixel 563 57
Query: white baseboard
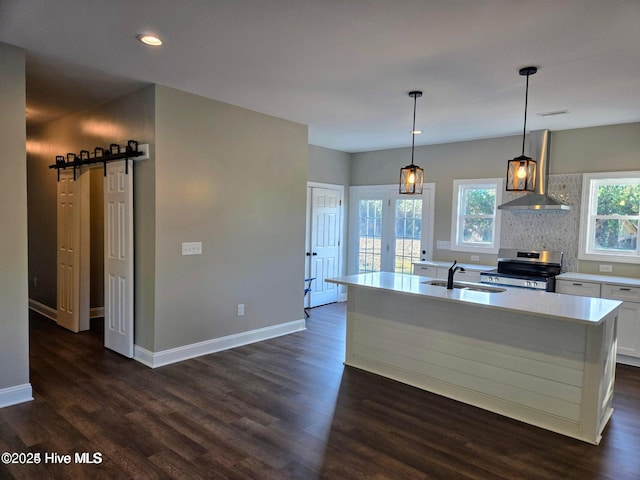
pixel 173 355
pixel 44 310
pixel 14 395
pixel 52 313
pixel 626 360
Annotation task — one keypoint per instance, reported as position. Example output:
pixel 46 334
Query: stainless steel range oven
pixel 532 269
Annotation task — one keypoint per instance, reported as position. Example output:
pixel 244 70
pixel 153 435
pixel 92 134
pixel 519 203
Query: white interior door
pixel 118 259
pixel 324 248
pixel 73 251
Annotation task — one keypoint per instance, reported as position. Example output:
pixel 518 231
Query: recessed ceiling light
pixel 150 40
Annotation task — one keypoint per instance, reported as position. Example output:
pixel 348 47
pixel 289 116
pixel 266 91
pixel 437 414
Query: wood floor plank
pixel 285 408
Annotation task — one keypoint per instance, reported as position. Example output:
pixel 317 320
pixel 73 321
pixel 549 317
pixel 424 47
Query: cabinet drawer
pixel 584 289
pixel 425 271
pixel 468 276
pixel 617 292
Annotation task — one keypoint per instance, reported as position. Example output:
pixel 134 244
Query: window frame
pixel 457 217
pixel 590 183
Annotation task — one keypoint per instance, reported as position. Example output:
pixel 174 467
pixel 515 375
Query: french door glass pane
pixel 407 234
pixel 370 235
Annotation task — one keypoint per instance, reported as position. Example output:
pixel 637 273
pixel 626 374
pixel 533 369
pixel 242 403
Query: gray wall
pixel 605 148
pixel 234 180
pixel 14 324
pixel 442 164
pixel 334 167
pixel 329 166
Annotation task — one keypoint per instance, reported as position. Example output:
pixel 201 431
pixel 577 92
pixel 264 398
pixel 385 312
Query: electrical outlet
pixel 606 268
pixel 241 309
pixel 475 258
pixel 191 248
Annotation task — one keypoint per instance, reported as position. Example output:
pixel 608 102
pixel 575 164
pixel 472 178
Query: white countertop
pixel 554 305
pixel 589 277
pixel 467 266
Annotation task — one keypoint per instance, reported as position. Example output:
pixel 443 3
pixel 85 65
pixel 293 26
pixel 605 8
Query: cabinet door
pixel 628 317
pixel 629 329
pixel 584 289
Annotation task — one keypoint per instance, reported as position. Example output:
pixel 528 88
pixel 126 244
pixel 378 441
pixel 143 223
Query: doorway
pixel 74 246
pixel 388 232
pixel 324 241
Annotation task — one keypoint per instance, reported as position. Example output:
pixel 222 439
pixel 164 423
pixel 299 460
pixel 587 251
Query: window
pixel 388 231
pixel 610 217
pixel 475 224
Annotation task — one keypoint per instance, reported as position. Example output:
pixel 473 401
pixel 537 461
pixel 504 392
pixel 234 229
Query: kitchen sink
pixel 474 287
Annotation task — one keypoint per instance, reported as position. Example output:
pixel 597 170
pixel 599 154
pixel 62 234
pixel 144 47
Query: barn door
pixel 73 251
pixel 118 258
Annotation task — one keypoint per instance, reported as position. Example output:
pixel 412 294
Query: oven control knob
pixel 535 284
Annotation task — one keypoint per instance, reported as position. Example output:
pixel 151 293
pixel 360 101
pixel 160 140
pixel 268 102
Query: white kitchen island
pixel 542 358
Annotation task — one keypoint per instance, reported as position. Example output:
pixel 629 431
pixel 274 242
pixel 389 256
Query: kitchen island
pixel 542 358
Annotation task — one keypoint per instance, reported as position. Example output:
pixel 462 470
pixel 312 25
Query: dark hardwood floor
pixel 283 408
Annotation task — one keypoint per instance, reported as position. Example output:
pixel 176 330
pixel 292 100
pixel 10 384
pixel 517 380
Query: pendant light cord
pixel 413 132
pixel 526 99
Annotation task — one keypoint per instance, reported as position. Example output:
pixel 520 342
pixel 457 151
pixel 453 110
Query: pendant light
pixel 521 171
pixel 412 176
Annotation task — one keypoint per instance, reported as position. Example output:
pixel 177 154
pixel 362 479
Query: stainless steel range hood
pixel 538 200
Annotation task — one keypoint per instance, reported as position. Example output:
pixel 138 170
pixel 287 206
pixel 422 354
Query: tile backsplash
pixel 547 230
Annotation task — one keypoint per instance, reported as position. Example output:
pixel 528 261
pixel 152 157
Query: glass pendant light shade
pixel 411 180
pixel 522 170
pixel 412 176
pixel 521 174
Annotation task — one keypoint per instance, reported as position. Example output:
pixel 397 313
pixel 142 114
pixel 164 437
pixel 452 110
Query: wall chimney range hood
pixel 538 200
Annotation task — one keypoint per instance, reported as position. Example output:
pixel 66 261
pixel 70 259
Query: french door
pixel 389 231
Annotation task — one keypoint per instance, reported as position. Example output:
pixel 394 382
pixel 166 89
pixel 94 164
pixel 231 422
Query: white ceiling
pixel 344 67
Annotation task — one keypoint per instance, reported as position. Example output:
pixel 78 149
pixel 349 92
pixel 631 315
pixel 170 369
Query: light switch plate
pixel 475 258
pixel 443 245
pixel 191 248
pixel 606 268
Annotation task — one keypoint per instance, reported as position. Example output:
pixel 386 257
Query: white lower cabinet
pixel 628 317
pixel 428 271
pixel 467 276
pixel 628 313
pixel 443 272
pixel 583 289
